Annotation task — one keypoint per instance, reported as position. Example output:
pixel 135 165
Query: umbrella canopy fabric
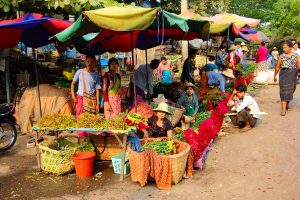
pixel 121 29
pixel 249 35
pixel 31 29
pixel 221 22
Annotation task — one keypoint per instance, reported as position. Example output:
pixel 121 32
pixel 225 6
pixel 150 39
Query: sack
pixel 89 103
pixel 89 100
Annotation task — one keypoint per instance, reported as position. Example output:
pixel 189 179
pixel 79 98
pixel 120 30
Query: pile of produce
pixel 66 145
pixel 166 147
pixel 135 118
pixel 199 118
pixel 57 121
pixel 86 120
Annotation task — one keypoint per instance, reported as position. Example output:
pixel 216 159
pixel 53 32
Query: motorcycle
pixel 8 131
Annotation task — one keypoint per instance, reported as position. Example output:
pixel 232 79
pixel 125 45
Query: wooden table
pixel 123 143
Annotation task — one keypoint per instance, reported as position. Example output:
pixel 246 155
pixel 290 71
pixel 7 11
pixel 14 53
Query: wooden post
pixel 133 77
pixel 184 44
pixel 7 80
pixel 124 147
pixel 37 81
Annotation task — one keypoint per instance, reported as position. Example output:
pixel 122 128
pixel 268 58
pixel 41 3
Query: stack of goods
pixel 85 121
pixel 56 155
pixel 161 159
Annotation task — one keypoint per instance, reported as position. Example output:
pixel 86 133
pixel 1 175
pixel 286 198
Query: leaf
pixel 83 2
pixel 56 4
pixel 77 7
pixel 6 8
pixel 61 4
pixel 67 2
pixel 93 3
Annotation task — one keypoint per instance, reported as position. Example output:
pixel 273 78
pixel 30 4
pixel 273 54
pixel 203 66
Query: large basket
pixel 178 161
pixel 108 147
pixel 54 161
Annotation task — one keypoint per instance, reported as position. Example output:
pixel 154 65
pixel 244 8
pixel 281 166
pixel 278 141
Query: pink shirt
pixel 262 54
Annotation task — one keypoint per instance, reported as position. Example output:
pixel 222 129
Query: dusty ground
pixel 261 164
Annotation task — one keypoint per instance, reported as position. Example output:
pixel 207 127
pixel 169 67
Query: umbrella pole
pixel 133 77
pixel 37 81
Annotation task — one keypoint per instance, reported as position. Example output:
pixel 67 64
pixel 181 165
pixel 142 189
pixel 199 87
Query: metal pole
pixel 7 80
pixel 133 77
pixel 37 81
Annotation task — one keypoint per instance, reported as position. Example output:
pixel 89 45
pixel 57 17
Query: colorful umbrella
pixel 221 22
pixel 124 28
pixel 31 29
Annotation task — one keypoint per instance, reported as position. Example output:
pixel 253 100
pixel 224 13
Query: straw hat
pixel 228 73
pixel 245 48
pixel 243 44
pixel 232 47
pixel 160 99
pixel 275 48
pixel 189 85
pixel 163 107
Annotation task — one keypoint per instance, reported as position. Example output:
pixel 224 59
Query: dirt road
pixel 263 163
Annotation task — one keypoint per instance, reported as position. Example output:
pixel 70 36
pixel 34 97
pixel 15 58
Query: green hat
pixel 189 85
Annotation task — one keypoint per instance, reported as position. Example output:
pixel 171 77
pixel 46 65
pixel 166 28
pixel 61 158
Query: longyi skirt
pixel 287 83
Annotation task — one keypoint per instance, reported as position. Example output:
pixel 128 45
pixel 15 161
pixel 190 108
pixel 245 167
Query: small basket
pixel 54 161
pixel 117 160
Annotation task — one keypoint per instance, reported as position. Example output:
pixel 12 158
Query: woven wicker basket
pixel 54 161
pixel 178 161
pixel 112 147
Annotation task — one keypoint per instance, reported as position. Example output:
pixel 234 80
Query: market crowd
pixel 96 90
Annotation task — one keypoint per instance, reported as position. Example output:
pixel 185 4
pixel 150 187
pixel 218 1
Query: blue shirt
pixel 92 81
pixel 142 74
pixel 185 101
pixel 216 78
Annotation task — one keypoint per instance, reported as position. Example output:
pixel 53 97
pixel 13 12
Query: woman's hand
pixel 74 99
pixel 97 108
pixel 107 106
pixel 275 79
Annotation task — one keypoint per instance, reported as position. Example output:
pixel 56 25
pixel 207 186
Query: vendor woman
pixel 164 71
pixel 188 100
pixel 160 126
pixel 111 86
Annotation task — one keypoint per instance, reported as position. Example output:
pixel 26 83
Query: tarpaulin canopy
pixel 124 28
pixel 250 35
pixel 221 22
pixel 31 29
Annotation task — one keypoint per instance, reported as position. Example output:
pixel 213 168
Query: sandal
pixel 282 113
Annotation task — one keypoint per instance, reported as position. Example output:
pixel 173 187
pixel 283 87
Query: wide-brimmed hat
pixel 245 48
pixel 189 85
pixel 160 99
pixel 163 107
pixel 243 44
pixel 232 47
pixel 228 73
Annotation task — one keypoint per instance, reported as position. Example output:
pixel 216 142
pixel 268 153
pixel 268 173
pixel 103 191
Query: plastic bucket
pixel 84 164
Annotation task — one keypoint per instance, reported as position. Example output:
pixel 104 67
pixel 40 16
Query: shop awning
pixel 124 28
pixel 221 22
pixel 31 29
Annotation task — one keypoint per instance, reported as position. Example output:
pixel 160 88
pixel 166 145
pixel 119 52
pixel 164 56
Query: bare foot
pixel 245 129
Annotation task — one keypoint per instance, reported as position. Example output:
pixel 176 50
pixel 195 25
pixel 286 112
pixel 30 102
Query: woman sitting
pixel 160 126
pixel 165 71
pixel 111 86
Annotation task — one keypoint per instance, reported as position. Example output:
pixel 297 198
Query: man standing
pixel 189 67
pixel 143 79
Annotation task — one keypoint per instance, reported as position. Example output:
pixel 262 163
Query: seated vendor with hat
pixel 188 100
pixel 219 78
pixel 160 126
pixel 245 107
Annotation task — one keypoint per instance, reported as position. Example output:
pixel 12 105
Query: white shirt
pixel 247 102
pixel 296 51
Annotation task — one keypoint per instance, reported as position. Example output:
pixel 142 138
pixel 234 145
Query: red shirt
pixel 262 54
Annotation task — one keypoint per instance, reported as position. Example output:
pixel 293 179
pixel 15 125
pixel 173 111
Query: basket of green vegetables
pixel 56 155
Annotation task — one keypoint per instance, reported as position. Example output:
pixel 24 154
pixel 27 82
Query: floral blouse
pixel 289 62
pixel 159 131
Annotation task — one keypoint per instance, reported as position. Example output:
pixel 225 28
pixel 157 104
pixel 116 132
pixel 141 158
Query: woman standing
pixel 288 64
pixel 111 86
pixel 88 83
pixel 261 59
pixel 164 71
pixel 160 126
